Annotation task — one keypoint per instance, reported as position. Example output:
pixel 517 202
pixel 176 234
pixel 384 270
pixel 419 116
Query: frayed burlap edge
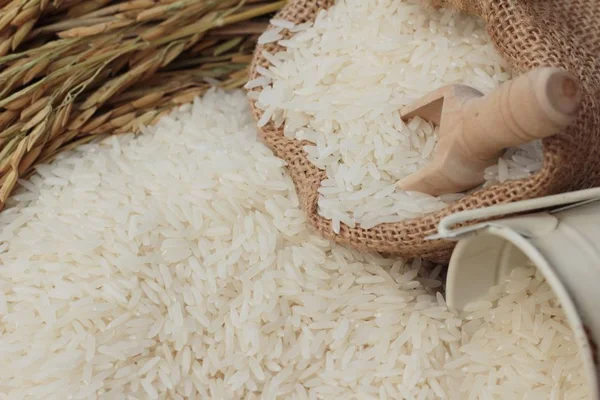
pixel 528 35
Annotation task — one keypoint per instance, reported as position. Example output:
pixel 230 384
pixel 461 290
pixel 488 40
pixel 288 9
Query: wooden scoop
pixel 475 129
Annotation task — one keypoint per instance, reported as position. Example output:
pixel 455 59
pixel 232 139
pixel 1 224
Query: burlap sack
pixel 528 33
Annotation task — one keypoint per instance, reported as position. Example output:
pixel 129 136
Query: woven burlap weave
pixel 527 34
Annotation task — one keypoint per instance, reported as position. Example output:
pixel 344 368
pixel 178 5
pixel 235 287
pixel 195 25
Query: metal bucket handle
pixel 568 200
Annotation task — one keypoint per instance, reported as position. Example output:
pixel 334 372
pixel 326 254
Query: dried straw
pixel 72 70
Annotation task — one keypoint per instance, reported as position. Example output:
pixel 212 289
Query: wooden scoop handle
pixel 533 106
pixel 475 129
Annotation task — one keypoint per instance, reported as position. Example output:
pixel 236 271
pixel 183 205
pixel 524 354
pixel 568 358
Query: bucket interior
pixel 485 259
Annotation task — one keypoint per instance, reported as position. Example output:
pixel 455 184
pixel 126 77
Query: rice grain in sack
pixel 527 35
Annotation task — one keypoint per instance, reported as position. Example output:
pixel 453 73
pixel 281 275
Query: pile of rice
pixel 177 264
pixel 340 83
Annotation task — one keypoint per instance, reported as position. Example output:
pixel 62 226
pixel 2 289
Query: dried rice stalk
pixel 86 68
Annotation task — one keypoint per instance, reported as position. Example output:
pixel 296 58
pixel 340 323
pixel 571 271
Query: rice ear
pixel 85 72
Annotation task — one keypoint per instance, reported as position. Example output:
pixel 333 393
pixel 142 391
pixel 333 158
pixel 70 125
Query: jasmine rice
pixel 178 265
pixel 340 83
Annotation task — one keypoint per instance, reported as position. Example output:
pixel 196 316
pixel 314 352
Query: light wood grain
pixel 475 129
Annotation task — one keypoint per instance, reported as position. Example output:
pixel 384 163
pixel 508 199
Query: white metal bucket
pixel 564 244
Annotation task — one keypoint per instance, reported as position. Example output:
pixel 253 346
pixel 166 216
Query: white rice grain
pixel 224 292
pixel 341 82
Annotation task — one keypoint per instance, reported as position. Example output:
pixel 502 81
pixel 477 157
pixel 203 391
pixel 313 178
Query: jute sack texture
pixel 527 34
